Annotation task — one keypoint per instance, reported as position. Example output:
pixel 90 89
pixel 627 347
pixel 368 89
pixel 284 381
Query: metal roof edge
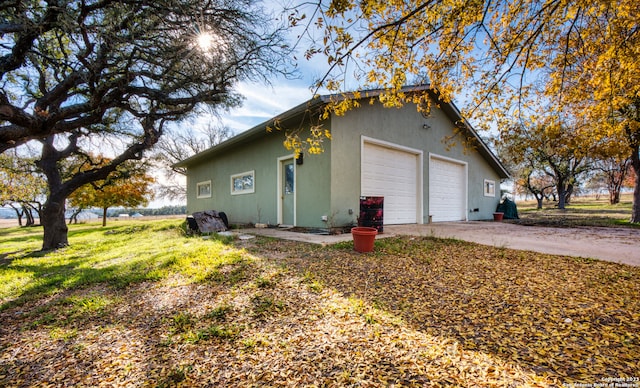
pixel 320 100
pixel 485 150
pixel 254 132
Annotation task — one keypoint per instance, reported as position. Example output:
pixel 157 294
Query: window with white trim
pixel 243 183
pixel 489 188
pixel 203 189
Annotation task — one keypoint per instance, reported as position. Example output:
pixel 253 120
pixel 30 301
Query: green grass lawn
pixel 143 304
pixel 118 255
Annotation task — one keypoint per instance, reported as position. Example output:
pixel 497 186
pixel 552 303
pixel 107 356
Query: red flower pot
pixel 363 238
pixel 497 216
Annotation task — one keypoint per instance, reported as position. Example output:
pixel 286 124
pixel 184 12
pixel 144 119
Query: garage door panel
pixel 447 190
pixel 392 174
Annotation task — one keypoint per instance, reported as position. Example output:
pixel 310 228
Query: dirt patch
pixel 8 222
pixel 321 231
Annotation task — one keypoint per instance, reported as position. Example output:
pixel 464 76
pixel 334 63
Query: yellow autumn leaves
pixel 509 59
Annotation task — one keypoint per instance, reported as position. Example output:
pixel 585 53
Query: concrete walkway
pixel 619 245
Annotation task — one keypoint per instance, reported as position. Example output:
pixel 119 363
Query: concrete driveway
pixel 619 245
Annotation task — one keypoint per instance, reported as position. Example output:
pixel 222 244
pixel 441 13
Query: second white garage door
pixel 447 190
pixel 394 174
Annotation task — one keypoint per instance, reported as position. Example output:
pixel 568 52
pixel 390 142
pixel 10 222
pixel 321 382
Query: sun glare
pixel 205 40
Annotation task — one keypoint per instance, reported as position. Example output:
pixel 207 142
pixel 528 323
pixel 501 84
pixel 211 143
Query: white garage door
pixel 447 190
pixel 393 174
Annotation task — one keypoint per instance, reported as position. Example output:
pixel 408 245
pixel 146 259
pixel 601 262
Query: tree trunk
pixel 615 179
pixel 29 215
pixel 635 209
pixel 614 197
pixel 561 195
pixel 568 193
pixel 55 227
pixel 104 216
pixel 18 214
pixel 74 216
pixel 539 196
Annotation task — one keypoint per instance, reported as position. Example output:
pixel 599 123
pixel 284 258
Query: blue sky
pixel 263 102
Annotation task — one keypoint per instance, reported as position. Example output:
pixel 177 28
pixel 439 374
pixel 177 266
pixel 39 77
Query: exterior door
pixel 287 191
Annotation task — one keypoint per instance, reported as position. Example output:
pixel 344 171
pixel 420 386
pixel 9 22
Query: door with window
pixel 287 191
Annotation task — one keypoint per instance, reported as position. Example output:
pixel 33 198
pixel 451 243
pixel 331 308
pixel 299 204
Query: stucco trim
pixel 204 183
pixel 252 190
pixel 489 189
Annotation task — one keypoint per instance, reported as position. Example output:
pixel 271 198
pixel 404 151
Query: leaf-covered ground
pixel 564 319
pixel 416 312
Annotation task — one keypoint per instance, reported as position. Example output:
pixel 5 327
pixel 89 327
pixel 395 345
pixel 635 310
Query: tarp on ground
pixel 509 208
pixel 211 221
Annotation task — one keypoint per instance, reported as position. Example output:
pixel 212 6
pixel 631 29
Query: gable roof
pixel 316 103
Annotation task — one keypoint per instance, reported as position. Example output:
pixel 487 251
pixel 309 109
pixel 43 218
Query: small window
pixel 243 183
pixel 203 189
pixel 288 178
pixel 489 188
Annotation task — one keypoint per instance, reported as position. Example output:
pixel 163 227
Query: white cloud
pixel 263 102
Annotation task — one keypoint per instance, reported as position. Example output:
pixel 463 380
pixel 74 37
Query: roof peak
pixel 374 92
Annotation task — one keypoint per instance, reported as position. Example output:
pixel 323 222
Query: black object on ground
pixel 509 208
pixel 372 212
pixel 211 221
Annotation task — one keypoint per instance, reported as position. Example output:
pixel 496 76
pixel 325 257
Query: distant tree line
pixel 554 162
pixel 162 211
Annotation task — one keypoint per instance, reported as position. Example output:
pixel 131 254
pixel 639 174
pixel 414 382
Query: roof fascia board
pixel 454 113
pixel 258 131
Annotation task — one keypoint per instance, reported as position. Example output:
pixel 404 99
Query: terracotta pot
pixel 363 238
pixel 497 216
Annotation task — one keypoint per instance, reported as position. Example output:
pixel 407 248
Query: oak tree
pixel 22 187
pixel 178 145
pixel 612 164
pixel 86 74
pixel 552 149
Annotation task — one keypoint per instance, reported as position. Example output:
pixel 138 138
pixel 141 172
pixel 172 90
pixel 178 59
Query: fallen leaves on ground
pixel 575 320
pixel 416 312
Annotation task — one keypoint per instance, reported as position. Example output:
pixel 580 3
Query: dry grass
pixel 582 211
